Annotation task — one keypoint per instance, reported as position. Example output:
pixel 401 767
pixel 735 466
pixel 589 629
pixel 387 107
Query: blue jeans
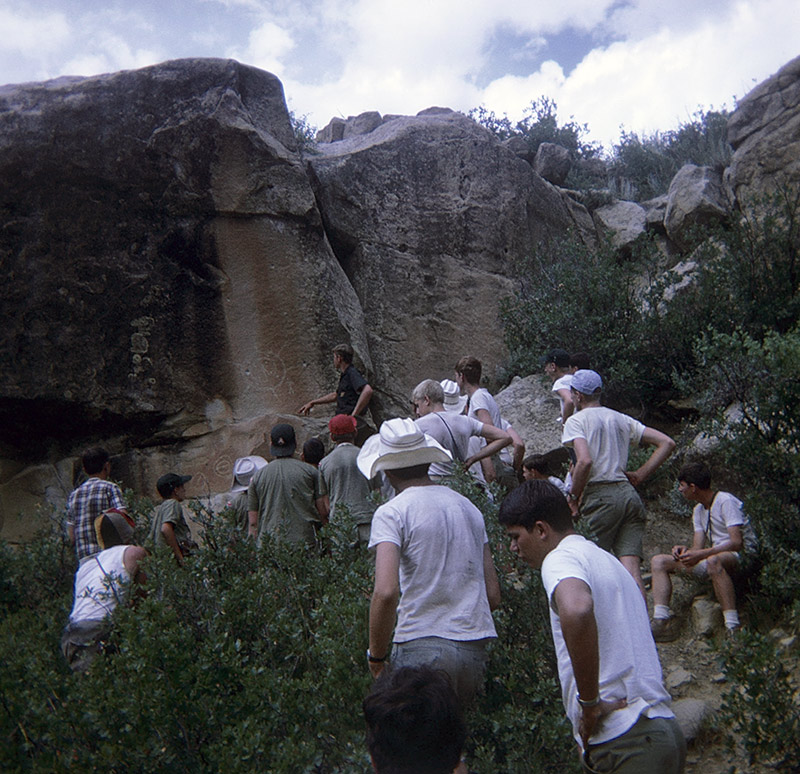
pixel 463 662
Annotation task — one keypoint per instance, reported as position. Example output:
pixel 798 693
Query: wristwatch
pixel 589 702
pixel 571 496
pixel 373 660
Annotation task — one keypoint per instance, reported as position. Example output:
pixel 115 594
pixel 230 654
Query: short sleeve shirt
pixel 351 383
pixel 482 399
pixel 284 494
pixel 726 511
pixel 441 537
pixel 85 504
pixel 169 512
pixel 609 435
pixel 629 667
pixel 452 431
pixel 346 485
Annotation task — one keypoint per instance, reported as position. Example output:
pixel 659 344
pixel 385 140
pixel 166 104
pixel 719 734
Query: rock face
pixel 552 162
pixel 625 222
pixel 166 270
pixel 696 198
pixel 764 132
pixel 171 290
pixel 425 214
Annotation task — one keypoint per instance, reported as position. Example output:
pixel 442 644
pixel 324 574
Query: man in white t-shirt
pixel 482 406
pixel 723 538
pixel 611 681
pixel 101 582
pixel 434 573
pixel 557 368
pixel 602 488
pixel 453 431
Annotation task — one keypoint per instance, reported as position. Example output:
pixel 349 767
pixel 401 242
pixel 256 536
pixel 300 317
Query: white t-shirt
pixel 609 435
pixel 452 431
pixel 482 399
pixel 628 661
pixel 100 583
pixel 562 383
pixel 441 536
pixel 726 511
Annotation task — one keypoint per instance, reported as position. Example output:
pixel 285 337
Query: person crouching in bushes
pixel 169 527
pixel 101 583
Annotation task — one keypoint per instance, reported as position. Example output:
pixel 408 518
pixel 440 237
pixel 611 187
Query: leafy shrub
pixel 643 167
pixel 760 708
pixel 246 660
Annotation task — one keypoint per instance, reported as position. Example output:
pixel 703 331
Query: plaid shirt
pixel 85 504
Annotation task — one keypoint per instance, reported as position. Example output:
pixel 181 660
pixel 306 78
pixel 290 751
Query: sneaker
pixel 664 629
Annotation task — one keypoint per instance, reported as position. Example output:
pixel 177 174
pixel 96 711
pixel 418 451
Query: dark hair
pixel 696 473
pixel 537 462
pixel 580 360
pixel 344 351
pixel 470 368
pixel 411 472
pixel 414 722
pixel 94 459
pixel 533 501
pixel 313 451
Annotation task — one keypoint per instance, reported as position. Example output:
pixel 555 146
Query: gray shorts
pixel 463 662
pixel 616 516
pixel 651 746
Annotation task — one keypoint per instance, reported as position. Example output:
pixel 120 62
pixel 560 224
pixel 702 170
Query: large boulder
pixel 624 222
pixel 552 162
pixel 166 271
pixel 764 132
pixel 426 214
pixel 695 199
pixel 533 410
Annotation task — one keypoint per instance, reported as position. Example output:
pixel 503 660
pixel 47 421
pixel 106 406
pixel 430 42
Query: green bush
pixel 761 708
pixel 643 167
pixel 246 660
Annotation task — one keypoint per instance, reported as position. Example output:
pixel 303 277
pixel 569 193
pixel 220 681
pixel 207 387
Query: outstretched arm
pixel 306 407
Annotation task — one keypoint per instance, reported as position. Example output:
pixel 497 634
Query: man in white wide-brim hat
pixel 433 568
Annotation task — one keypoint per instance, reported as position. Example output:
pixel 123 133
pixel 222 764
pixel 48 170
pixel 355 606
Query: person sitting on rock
pixel 169 527
pixel 723 538
pixel 101 583
pixel 352 396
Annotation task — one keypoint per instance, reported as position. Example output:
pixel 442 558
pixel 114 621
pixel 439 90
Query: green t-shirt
pixel 170 512
pixel 284 493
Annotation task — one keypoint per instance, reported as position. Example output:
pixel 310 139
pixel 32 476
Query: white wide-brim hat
pixel 244 469
pixel 454 401
pixel 399 444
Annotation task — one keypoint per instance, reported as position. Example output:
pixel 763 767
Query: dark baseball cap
pixel 169 482
pixel 282 441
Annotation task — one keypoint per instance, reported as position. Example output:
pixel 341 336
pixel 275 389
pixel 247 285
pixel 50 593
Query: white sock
pixel 662 612
pixel 731 619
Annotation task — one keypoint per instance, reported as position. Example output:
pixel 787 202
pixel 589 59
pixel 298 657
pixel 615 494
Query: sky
pixel 641 65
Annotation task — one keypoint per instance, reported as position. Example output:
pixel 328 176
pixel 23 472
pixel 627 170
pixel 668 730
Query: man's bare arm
pixel 364 398
pixel 664 447
pixel 383 606
pixel 306 407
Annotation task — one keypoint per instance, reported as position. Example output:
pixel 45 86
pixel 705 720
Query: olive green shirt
pixel 284 494
pixel 170 512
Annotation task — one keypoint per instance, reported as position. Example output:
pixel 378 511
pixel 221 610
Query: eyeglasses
pixel 414 405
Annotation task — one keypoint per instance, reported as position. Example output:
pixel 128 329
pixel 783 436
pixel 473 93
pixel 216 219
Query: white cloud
pixel 32 33
pixel 267 48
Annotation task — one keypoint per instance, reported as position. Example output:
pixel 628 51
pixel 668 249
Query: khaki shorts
pixel 615 514
pixel 650 746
